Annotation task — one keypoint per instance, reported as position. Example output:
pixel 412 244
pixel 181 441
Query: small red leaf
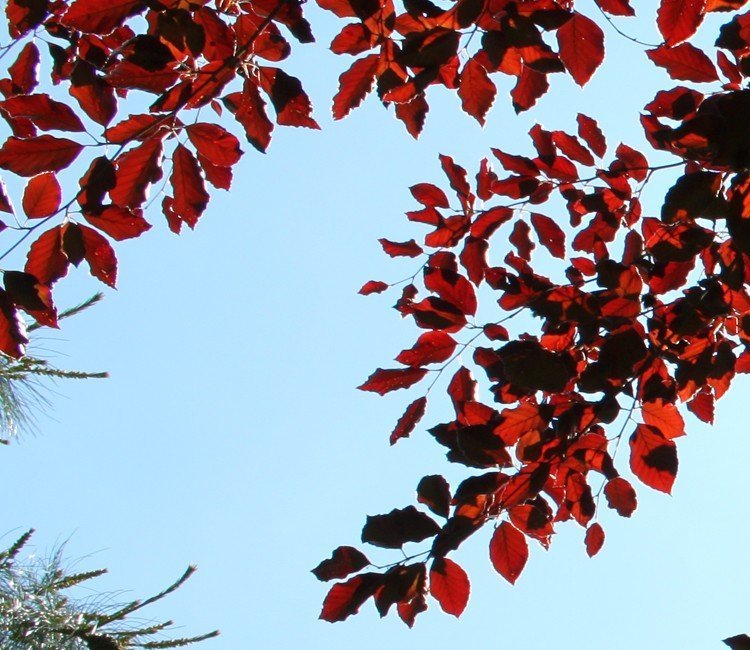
pixel 46 259
pixel 431 347
pixel 119 223
pixel 665 417
pixel 508 551
pixel 550 234
pixel 345 598
pixel 190 195
pixel 384 381
pixel 621 496
pixel 406 423
pixel 590 132
pixel 449 585
pixel 373 286
pixel 343 561
pixel 434 492
pixel 401 249
pixel 215 143
pixel 429 195
pixel 42 196
pixel 594 539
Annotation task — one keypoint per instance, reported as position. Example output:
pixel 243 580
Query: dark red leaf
pixel 343 561
pixel 590 132
pixel 97 17
pixel 25 70
pixel 42 196
pixel 431 347
pixel 32 156
pixel 13 337
pixel 581 43
pixel 46 259
pixel 434 492
pixel 99 255
pixel 137 169
pixel 215 143
pixel 508 551
pixel 29 294
pixel 354 85
pixel 345 598
pixel 476 90
pixel 550 234
pixel 291 103
pixel 684 62
pixel 429 195
pixel 397 527
pixel 678 20
pixel 401 249
pixel 406 423
pixel 45 113
pixel 190 196
pixel 594 539
pixel 520 239
pixel 384 381
pixel 373 286
pixel 449 585
pixel 249 110
pixel 119 223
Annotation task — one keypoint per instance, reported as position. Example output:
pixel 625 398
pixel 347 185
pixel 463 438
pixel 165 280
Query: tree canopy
pixel 592 326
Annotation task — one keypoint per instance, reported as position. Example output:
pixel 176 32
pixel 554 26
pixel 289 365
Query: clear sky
pixel 230 434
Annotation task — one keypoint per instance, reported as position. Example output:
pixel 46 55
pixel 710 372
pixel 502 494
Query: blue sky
pixel 230 434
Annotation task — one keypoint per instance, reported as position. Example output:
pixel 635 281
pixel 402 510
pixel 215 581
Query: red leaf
pixel 594 539
pixel 476 90
pixel 119 223
pixel 136 170
pixel 413 115
pixel 384 381
pixel 24 71
pixel 94 95
pixel 354 85
pixel 33 156
pixel 429 195
pixel 42 196
pixel 345 598
pixel 581 43
pixel 343 561
pixel 13 337
pixel 220 177
pixel 45 113
pixel 409 419
pixel 215 143
pixel 401 249
pixel 616 7
pixel 508 551
pixel 621 496
pixel 488 222
pixel 250 111
pixel 291 103
pixel 678 20
pixel 431 347
pixel 653 458
pixel 531 85
pixel 373 286
pixel 665 417
pixel 520 239
pixel 190 196
pixel 136 127
pixel 702 406
pixel 98 17
pixel 99 255
pixel 46 259
pixel 449 585
pixel 685 62
pixel 572 148
pixel 29 294
pixel 590 132
pixel 550 234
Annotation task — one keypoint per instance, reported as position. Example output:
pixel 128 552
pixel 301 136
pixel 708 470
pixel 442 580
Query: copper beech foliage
pixel 649 311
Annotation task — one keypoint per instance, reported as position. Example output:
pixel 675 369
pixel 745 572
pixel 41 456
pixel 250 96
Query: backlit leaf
pixel 42 196
pixel 384 381
pixel 508 551
pixel 653 458
pixel 449 585
pixel 343 561
pixel 594 539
